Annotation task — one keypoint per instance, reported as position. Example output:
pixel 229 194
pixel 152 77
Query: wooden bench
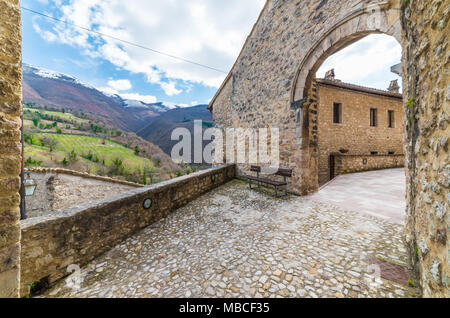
pixel 281 172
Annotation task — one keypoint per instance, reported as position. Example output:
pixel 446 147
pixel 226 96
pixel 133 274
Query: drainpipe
pixel 23 215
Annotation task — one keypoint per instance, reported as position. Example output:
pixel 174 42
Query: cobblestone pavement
pixel 236 242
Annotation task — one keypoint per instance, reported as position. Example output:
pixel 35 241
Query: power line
pixel 125 41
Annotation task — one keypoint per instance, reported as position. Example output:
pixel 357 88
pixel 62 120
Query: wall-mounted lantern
pixel 147 203
pixel 364 161
pixel 213 178
pixel 29 184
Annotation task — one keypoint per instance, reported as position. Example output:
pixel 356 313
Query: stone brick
pixel 9 166
pixel 9 201
pixel 9 283
pixel 9 215
pixel 9 258
pixel 10 185
pixel 9 234
pixel 8 147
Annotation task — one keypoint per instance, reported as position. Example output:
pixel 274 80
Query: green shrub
pixel 36 121
pixel 73 156
pixel 89 156
pixel 32 163
pixel 49 142
pixel 117 167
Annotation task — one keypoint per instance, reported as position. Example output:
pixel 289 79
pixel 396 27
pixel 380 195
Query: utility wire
pixel 125 41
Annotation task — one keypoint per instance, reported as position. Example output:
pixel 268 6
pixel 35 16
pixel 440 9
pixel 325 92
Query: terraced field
pixel 106 151
pixel 66 116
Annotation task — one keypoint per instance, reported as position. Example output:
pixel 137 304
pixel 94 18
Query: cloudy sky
pixel 204 31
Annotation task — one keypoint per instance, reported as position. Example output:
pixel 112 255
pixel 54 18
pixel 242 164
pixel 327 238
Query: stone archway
pixel 379 18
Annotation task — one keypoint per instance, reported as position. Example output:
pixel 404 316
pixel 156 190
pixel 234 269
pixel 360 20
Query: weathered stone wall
pixel 427 92
pixel 78 235
pixel 357 163
pixel 60 189
pixel 354 133
pixel 10 147
pixel 265 77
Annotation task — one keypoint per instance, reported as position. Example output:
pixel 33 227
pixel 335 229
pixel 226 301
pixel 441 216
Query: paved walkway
pixel 379 193
pixel 236 242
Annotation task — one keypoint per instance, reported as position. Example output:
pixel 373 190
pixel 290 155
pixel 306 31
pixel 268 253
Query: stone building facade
pixel 345 127
pixel 272 84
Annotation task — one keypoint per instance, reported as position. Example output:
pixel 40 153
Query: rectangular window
pixel 391 122
pixel 374 153
pixel 337 113
pixel 391 152
pixel 373 117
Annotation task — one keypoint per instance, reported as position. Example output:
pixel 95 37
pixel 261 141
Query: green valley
pixel 61 139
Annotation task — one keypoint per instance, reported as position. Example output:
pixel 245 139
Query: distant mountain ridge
pixel 152 121
pixel 63 91
pixel 60 90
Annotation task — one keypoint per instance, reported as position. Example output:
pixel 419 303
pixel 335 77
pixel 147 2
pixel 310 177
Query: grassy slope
pixel 61 115
pixel 106 150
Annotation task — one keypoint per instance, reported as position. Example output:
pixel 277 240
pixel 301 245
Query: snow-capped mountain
pixel 52 75
pixel 54 89
pixel 59 90
pixel 157 107
pixel 127 103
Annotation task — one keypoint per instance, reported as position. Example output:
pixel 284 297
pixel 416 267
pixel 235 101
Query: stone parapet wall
pixel 10 146
pixel 59 189
pixel 82 175
pixel 77 235
pixel 357 163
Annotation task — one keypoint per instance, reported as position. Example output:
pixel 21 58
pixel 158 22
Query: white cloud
pixel 108 90
pixel 207 32
pixel 170 89
pixel 143 98
pixel 120 85
pixel 366 62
